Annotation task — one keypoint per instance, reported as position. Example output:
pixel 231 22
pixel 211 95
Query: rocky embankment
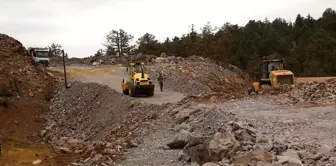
pixel 216 136
pixel 307 93
pixel 100 125
pixel 19 76
pixel 95 122
pixel 198 76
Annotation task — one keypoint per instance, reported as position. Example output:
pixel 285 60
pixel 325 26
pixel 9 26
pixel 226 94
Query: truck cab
pixel 40 55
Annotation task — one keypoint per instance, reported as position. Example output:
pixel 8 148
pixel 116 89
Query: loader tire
pixel 131 90
pixel 249 90
pixel 125 92
pixel 151 93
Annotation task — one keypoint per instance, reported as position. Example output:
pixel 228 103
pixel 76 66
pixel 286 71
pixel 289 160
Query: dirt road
pixel 112 76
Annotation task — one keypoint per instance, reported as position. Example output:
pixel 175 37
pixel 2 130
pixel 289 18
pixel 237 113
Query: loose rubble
pixel 198 76
pixel 92 118
pixel 311 92
pixel 215 136
pixel 19 76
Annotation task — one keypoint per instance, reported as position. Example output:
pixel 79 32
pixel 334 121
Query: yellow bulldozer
pixel 138 81
pixel 273 74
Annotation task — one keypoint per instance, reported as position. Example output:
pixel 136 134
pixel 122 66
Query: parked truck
pixel 40 55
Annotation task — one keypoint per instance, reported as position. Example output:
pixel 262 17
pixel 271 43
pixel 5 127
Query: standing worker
pixel 160 79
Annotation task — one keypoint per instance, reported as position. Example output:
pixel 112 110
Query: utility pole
pixel 118 42
pixel 64 70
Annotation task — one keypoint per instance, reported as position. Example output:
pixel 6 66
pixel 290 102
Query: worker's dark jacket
pixel 160 79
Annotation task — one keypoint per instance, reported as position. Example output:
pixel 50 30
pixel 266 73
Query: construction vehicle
pixel 40 55
pixel 138 81
pixel 272 74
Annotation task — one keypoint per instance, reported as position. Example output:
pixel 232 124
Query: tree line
pixel 56 50
pixel 308 45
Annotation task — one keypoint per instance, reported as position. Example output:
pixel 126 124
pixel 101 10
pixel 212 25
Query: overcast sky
pixel 80 25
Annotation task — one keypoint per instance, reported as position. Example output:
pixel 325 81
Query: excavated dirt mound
pixel 22 84
pixel 97 118
pixel 196 75
pixel 25 91
pixel 10 46
pixel 20 78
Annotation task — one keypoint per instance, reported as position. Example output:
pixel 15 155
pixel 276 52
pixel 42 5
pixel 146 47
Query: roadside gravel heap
pixel 210 135
pixel 196 75
pixel 312 92
pixel 95 121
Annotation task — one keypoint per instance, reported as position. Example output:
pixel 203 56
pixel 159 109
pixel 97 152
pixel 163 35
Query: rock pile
pixel 209 135
pixel 323 92
pixel 312 92
pixel 196 75
pixel 94 118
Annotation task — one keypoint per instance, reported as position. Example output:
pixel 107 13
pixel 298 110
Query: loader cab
pixel 273 73
pixel 266 68
pixel 271 65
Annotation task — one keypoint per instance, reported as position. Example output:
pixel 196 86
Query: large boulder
pixel 161 60
pixel 180 140
pixel 223 145
pixel 210 164
pixel 205 149
pixel 259 156
pixel 163 55
pixel 198 150
pixel 289 160
pixel 290 157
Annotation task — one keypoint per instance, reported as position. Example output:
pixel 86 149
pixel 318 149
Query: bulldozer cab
pixel 271 72
pixel 271 65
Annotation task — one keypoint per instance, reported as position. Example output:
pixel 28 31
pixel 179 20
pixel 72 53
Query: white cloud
pixel 80 26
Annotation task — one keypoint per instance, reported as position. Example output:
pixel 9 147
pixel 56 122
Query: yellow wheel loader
pixel 273 74
pixel 138 81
